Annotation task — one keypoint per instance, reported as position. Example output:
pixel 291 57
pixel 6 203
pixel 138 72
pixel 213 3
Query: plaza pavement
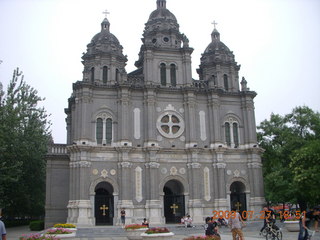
pixel 251 232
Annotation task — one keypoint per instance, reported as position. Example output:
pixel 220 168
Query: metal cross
pixel 105 12
pixel 174 207
pixel 238 205
pixel 104 208
pixel 214 24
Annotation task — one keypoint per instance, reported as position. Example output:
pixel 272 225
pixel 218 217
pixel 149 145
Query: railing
pixel 57 149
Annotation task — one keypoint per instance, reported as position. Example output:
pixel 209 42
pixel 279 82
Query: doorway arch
pixel 173 201
pixel 104 204
pixel 238 198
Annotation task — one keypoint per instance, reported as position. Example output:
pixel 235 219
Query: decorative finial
pixel 214 24
pixel 105 12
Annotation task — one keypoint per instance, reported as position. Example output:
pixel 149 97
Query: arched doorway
pixel 238 196
pixel 174 205
pixel 104 205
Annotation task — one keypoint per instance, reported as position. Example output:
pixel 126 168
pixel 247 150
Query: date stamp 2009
pixel 246 215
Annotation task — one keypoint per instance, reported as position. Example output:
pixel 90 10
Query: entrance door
pixel 238 197
pixel 104 207
pixel 174 204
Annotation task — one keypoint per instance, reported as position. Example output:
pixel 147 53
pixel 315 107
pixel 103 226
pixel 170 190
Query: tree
pixel 282 137
pixel 24 135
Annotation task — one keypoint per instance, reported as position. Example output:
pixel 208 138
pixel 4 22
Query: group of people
pixel 236 224
pixel 187 221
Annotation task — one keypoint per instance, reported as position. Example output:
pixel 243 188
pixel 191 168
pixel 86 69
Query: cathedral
pixel 155 141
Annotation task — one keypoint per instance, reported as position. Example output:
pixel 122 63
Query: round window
pixel 166 39
pixel 170 125
pixel 154 40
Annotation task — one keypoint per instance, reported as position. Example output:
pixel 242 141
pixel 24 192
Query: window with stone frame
pixel 163 76
pixel 173 75
pixel 92 75
pixel 105 74
pixel 104 129
pixel 232 132
pixel 225 82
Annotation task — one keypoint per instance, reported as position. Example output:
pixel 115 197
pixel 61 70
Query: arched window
pixel 227 132
pixel 99 130
pixel 92 74
pixel 225 81
pixel 173 74
pixel 235 134
pixel 163 76
pixel 108 130
pixel 117 75
pixel 105 74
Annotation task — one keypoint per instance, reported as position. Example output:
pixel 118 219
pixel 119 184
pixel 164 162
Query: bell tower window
pixel 227 132
pixel 108 130
pixel 105 74
pixel 117 75
pixel 173 77
pixel 232 132
pixel 92 74
pixel 99 130
pixel 163 76
pixel 104 130
pixel 225 81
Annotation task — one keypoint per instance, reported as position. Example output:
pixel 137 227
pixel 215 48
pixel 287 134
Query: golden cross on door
pixel 174 207
pixel 104 208
pixel 238 205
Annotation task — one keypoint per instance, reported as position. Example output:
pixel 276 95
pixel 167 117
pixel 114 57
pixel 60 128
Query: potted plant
pixel 134 231
pixel 292 224
pixel 157 233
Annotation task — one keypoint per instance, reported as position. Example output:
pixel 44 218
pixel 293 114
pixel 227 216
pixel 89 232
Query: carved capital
pixel 125 164
pixel 152 165
pixel 194 165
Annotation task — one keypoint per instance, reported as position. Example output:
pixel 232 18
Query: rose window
pixel 170 125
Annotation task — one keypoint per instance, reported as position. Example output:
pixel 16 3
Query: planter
pixel 133 234
pixel 71 229
pixel 292 226
pixel 158 236
pixel 62 236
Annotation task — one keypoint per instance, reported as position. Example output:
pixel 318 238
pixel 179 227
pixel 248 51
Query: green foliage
pixel 24 135
pixel 284 139
pixel 36 225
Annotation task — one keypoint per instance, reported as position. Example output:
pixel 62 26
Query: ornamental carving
pixel 173 171
pixel 126 165
pixel 152 165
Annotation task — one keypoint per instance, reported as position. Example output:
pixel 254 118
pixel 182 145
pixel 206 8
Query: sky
pixel 276 42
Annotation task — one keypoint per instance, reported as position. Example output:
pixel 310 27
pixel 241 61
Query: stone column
pixel 150 128
pixel 126 194
pixel 221 175
pixel 190 114
pixel 215 125
pixel 124 117
pixel 195 201
pixel 153 203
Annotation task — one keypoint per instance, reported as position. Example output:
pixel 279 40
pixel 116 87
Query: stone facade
pixel 155 141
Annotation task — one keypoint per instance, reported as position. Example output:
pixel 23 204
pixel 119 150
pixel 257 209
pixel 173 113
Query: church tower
pixel 165 55
pixel 155 141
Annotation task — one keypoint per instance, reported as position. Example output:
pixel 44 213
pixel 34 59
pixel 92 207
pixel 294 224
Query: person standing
pixel 236 224
pixel 305 221
pixel 123 217
pixel 3 233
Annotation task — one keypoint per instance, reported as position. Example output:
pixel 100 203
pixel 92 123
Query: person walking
pixel 305 221
pixel 236 224
pixel 3 233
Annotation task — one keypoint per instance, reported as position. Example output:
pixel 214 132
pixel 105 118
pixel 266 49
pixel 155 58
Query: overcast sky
pixel 277 43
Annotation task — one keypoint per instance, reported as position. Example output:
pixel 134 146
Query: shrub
pixel 36 225
pixel 37 236
pixel 64 225
pixel 59 231
pixel 157 230
pixel 134 226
